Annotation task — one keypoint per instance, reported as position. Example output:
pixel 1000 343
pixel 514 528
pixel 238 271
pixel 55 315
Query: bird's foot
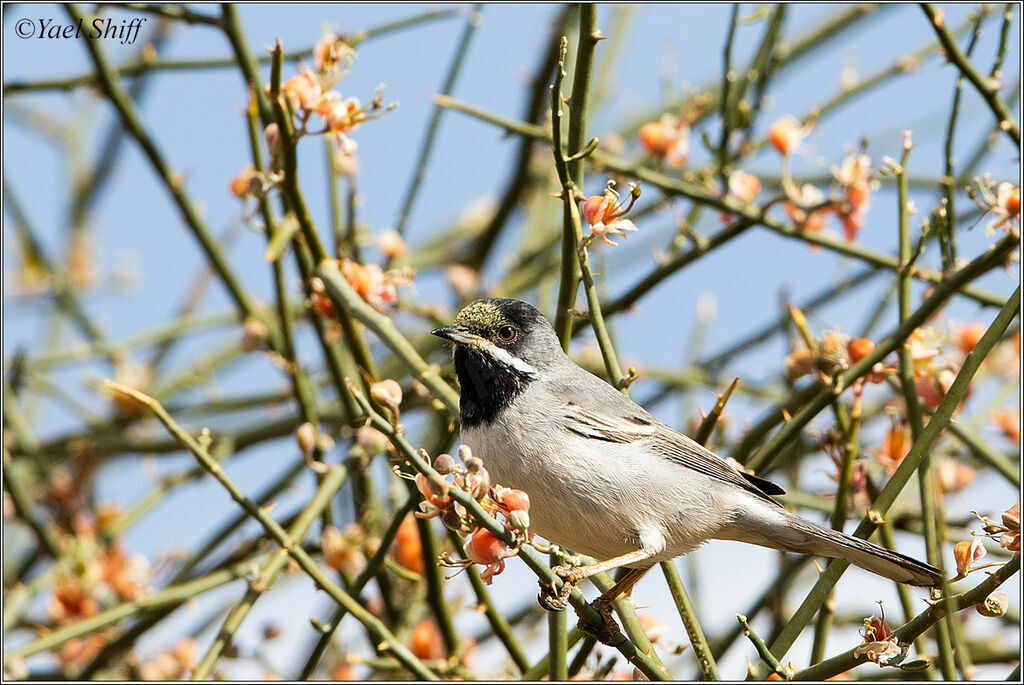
pixel 607 632
pixel 551 599
pixel 557 600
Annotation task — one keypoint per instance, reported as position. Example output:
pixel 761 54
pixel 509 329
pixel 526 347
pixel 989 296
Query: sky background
pixel 196 118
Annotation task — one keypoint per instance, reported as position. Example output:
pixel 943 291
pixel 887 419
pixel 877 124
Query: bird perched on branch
pixel 605 477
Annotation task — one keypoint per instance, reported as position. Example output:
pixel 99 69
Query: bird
pixel 606 478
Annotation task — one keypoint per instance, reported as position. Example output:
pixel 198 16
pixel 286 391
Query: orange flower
pixel 407 547
pixel 343 115
pixel 331 52
pixel 966 553
pixel 880 645
pixel 126 577
pixel 1011 517
pixel 743 186
pixel 800 362
pixel 1010 200
pixel 303 91
pixel 895 445
pixel 371 283
pixel 652 627
pixel 853 210
pixel 953 476
pixel 786 134
pixel 434 490
pixel 929 391
pixel 807 196
pixel 343 550
pixel 463 279
pixel 242 183
pixel 425 640
pixel 669 137
pixel 1003 204
pixel 77 652
pixel 488 550
pixel 511 499
pixel 71 601
pixel 858 348
pixel 968 335
pixel 604 214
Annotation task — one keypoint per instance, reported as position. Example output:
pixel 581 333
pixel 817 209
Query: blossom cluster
pixel 378 287
pixel 104 575
pixel 308 94
pixel 507 504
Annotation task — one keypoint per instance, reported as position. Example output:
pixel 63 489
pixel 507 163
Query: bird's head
pixel 511 333
pixel 500 346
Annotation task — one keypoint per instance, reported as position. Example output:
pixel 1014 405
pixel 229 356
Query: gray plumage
pixel 604 476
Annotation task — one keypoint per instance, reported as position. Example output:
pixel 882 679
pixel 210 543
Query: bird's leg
pixel 603 606
pixel 553 601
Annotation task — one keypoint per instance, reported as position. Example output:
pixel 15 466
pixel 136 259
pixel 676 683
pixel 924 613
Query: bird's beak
pixel 457 334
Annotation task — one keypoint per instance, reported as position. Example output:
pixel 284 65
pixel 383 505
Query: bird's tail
pixel 791 533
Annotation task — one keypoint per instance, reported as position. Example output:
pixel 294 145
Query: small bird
pixel 605 477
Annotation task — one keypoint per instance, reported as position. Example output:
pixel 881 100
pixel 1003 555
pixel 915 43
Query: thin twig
pixel 989 91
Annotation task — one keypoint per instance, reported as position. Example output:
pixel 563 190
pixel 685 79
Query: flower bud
pixel 451 521
pixel 478 483
pixel 444 464
pixel 953 476
pixel 425 640
pixel 465 453
pixel 800 362
pixel 392 244
pixel 342 549
pixel 473 464
pixel 371 439
pixel 513 500
pixel 858 348
pixel 994 606
pixel 438 485
pixel 305 436
pixel 254 335
pixel 273 138
pixel 1011 517
pixel 387 393
pixel 519 519
pixel 241 184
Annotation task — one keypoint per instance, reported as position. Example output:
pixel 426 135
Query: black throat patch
pixel 487 385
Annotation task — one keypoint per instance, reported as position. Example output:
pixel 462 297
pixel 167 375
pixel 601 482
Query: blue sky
pixel 196 119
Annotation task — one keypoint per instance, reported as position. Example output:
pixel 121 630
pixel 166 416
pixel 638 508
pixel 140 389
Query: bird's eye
pixel 507 333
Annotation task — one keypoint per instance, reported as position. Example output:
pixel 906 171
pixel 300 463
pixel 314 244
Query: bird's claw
pixel 557 600
pixel 607 631
pixel 551 599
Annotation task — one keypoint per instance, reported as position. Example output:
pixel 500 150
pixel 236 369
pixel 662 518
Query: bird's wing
pixel 678 448
pixel 637 425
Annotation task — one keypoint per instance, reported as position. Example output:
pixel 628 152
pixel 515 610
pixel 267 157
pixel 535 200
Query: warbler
pixel 606 478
